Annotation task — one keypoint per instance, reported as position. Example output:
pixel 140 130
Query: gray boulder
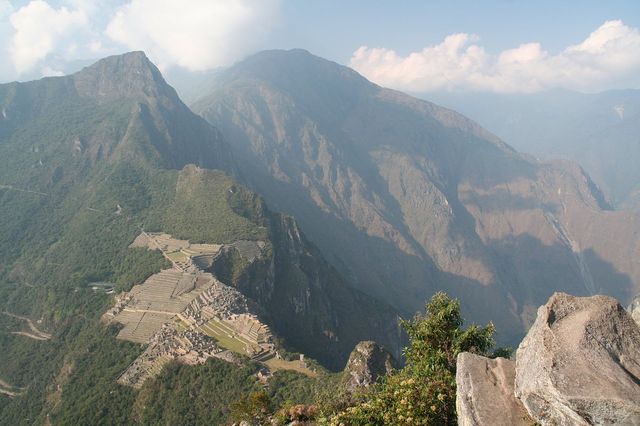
pixel 580 363
pixel 484 395
pixel 367 362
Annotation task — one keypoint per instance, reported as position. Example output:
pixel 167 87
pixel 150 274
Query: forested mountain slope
pixel 89 160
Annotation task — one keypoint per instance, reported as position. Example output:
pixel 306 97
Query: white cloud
pixel 6 68
pixel 43 36
pixel 198 34
pixel 50 72
pixel 608 58
pixel 39 28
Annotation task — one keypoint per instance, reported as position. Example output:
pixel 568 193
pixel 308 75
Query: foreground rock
pixel 367 362
pixel 580 363
pixel 485 392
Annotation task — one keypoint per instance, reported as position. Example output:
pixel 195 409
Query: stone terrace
pixel 164 295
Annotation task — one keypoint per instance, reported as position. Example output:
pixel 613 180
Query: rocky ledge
pixel 578 365
pixel 367 362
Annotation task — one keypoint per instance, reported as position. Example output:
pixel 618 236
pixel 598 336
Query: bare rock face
pixel 484 395
pixel 371 175
pixel 367 362
pixel 580 363
pixel 634 309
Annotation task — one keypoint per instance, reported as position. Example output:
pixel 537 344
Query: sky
pixel 503 46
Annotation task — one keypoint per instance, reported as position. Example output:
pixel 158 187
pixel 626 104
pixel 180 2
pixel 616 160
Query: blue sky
pixel 418 46
pixel 334 28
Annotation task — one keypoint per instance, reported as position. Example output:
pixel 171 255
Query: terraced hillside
pixel 186 314
pixel 89 160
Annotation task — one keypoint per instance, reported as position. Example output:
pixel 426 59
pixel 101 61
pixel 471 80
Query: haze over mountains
pixel 599 131
pixel 406 197
pixel 400 196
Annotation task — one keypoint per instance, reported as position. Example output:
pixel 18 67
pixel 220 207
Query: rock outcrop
pixel 367 362
pixel 634 309
pixel 485 392
pixel 580 363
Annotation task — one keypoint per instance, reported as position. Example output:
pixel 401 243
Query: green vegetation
pixel 288 387
pixel 79 179
pixel 199 395
pixel 221 332
pixel 53 245
pixel 201 212
pixel 230 267
pixel 64 247
pixel 423 392
pixel 217 392
pixel 74 228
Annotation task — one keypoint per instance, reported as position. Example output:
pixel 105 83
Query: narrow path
pixel 10 391
pixel 29 335
pixel 22 190
pixel 39 335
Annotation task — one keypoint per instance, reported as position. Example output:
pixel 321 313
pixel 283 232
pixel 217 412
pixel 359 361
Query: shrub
pixel 423 392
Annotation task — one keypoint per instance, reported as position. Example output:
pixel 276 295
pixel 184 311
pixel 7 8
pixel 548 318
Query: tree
pixel 424 391
pixel 254 408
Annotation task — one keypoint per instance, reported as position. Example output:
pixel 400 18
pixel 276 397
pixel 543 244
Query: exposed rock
pixel 634 309
pixel 485 392
pixel 406 198
pixel 367 362
pixel 580 363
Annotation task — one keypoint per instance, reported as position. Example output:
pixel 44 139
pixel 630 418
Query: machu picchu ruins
pixel 185 313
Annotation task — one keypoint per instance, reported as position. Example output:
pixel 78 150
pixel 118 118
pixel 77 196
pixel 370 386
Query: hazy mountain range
pixel 406 197
pixel 599 131
pixel 368 201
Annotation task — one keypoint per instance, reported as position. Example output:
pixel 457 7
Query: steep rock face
pixel 597 130
pixel 405 197
pixel 634 309
pixel 484 395
pixel 367 363
pixel 580 363
pixel 306 300
pixel 316 307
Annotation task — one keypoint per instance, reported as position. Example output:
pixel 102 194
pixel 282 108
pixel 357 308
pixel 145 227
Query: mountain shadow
pixel 405 197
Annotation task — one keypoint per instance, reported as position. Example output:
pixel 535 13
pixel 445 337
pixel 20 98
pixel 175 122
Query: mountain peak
pixel 297 69
pixel 130 75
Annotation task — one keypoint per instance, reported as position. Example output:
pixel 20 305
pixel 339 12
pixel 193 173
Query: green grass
pixel 281 364
pixel 177 256
pixel 214 329
pixel 179 325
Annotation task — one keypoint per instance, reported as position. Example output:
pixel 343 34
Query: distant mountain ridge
pixel 406 197
pixel 600 131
